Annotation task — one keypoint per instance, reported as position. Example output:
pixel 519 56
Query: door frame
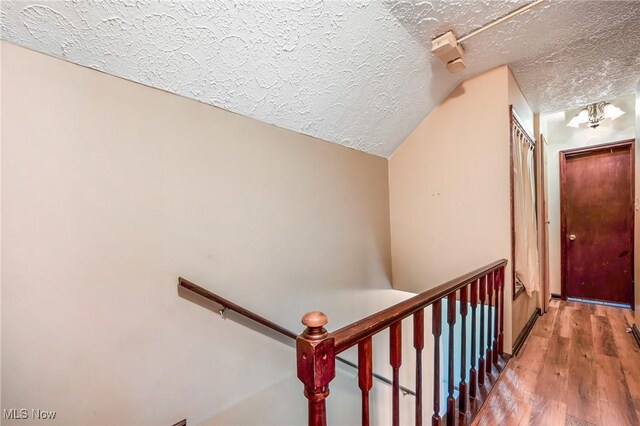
pixel 563 219
pixel 543 223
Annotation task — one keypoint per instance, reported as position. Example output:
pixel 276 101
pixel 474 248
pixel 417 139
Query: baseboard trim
pixel 555 296
pixel 517 345
pixel 636 334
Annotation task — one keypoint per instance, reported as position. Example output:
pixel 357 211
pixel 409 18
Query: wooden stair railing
pixel 283 334
pixel 317 349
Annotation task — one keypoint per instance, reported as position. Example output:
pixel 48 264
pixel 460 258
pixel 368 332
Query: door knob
pixel 572 237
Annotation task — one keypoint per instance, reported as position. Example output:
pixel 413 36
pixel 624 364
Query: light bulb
pixel 612 112
pixel 581 118
pixel 574 122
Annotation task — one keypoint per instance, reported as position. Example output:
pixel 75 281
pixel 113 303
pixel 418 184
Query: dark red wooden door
pixel 597 202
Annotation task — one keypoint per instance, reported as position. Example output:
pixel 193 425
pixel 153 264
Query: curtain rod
pixel 500 20
pixel 526 137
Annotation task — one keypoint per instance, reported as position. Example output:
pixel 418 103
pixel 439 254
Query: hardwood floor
pixel 579 366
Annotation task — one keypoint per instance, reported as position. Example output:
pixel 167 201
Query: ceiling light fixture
pixel 594 114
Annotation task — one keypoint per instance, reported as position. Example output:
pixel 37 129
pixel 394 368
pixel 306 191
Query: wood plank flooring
pixel 579 366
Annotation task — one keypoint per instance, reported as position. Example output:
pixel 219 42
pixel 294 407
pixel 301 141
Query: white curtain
pixel 526 228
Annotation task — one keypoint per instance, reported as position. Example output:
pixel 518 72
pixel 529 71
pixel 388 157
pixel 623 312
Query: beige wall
pixel 560 137
pixel 524 305
pixel 449 187
pixel 111 190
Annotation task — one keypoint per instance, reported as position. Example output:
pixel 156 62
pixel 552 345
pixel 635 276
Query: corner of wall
pixel 520 103
pixel 438 229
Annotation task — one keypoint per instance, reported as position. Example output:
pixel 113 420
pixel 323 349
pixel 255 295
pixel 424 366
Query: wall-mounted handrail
pixel 317 349
pixel 228 305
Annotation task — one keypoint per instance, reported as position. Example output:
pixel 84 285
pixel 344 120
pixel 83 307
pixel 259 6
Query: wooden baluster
pixel 418 344
pixel 365 376
pixel 451 320
pixel 395 339
pixel 501 336
pixel 462 387
pixel 489 354
pixel 436 329
pixel 481 366
pixel 496 332
pixel 316 362
pixel 473 374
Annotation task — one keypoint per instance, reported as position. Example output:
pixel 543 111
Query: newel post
pixel 316 361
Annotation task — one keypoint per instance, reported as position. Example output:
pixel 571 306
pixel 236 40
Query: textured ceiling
pixel 357 73
pixel 563 53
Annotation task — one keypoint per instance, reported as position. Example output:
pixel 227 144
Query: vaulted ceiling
pixel 357 73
